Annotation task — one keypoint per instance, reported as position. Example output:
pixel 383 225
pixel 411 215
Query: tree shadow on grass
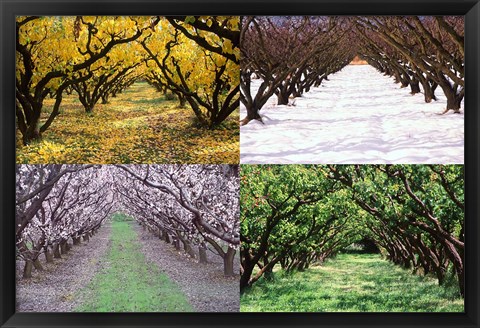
pixel 350 283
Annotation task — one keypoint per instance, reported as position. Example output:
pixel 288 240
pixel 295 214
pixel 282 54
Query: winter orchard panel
pixel 194 57
pixel 292 54
pixel 296 215
pixel 196 205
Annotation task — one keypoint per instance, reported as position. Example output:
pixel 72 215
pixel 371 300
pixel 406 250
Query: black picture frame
pixel 10 8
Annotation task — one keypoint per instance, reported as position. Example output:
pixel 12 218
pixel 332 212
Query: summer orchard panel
pixel 374 238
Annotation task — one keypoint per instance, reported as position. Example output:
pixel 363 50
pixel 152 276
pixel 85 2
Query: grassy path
pixel 351 283
pixel 128 283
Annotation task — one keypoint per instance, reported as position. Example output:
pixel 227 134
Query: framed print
pixel 207 163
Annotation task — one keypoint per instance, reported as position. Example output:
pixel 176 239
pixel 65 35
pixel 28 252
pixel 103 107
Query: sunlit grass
pixel 129 283
pixel 351 283
pixel 138 126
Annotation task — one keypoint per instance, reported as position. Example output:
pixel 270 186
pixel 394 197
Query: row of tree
pixel 189 206
pixel 57 205
pixel 418 51
pixel 292 54
pixel 289 55
pixel 296 215
pixel 291 215
pixel 195 57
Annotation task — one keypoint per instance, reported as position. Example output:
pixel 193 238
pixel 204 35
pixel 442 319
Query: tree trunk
pixel 48 255
pixel 428 87
pixel 188 249
pixel 86 238
pixel 245 277
pixel 89 108
pixel 182 101
pixel 63 247
pixel 228 269
pixel 454 98
pixel 454 102
pixel 429 94
pixel 414 86
pixel 302 264
pixel 167 237
pixel 268 274
pixel 404 80
pixel 252 114
pixel 282 97
pixel 38 265
pixel 32 134
pixel 177 244
pixel 56 251
pixel 27 269
pixel 202 252
pixel 457 262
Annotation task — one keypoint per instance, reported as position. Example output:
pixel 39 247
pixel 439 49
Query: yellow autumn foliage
pixel 138 126
pixel 199 66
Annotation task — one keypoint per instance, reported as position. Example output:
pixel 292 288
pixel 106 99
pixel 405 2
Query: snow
pixel 359 116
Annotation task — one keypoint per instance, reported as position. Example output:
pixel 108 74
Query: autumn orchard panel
pixel 153 74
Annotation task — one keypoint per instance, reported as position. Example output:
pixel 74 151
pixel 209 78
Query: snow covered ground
pixel 358 116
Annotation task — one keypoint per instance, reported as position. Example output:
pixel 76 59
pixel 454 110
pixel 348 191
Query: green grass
pixel 351 283
pixel 122 217
pixel 128 283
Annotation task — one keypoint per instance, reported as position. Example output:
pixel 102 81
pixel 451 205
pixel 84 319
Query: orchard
pixel 189 211
pixel 298 216
pixel 293 54
pixel 193 59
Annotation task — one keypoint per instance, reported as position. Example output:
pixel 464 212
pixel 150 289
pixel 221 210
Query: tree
pixel 296 215
pixel 286 218
pixel 50 53
pixel 194 203
pixel 197 60
pixel 282 50
pixel 291 54
pixel 416 212
pixel 103 77
pixel 57 203
pixel 432 46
